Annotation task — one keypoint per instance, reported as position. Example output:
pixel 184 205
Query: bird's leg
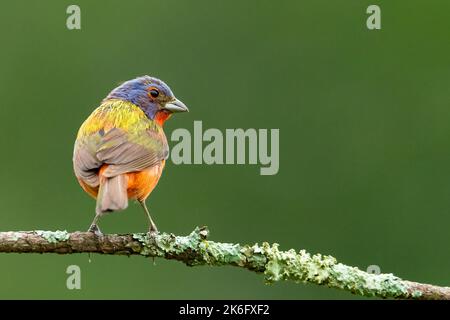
pixel 94 228
pixel 153 230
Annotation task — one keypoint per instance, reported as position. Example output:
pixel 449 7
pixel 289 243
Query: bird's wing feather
pixel 122 151
pixel 85 162
pixel 125 152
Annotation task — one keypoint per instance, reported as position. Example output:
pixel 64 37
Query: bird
pixel 120 150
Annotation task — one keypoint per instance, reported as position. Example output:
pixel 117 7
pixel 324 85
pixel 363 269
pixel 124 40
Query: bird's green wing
pixel 121 150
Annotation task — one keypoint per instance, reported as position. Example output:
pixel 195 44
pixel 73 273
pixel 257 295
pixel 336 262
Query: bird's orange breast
pixel 139 186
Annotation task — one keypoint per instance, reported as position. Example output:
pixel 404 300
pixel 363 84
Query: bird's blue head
pixel 150 94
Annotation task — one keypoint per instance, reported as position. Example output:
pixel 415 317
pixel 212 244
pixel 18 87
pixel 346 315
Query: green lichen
pixel 195 247
pixel 324 270
pixel 163 244
pixel 214 253
pixel 299 267
pixel 276 265
pixel 54 236
pixel 255 256
pixel 352 279
pixel 416 294
pixel 143 240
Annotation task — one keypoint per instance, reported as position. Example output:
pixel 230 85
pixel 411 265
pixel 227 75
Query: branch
pixel 195 250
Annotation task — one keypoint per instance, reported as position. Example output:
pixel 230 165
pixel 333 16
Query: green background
pixel 364 123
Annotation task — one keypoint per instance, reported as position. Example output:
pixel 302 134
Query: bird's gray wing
pixel 122 151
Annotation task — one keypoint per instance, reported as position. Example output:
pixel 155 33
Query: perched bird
pixel 121 149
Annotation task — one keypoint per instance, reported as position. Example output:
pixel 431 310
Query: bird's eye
pixel 154 93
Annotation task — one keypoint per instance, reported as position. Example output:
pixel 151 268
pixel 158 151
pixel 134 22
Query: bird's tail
pixel 112 194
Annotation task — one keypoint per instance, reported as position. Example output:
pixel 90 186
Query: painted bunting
pixel 121 149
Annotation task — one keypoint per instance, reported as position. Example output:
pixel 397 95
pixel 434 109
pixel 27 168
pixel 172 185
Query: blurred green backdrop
pixel 364 120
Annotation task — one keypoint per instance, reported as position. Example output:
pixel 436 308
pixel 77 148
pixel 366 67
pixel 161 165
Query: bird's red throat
pixel 161 116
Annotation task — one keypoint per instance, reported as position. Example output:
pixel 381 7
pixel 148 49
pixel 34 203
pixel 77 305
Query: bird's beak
pixel 176 106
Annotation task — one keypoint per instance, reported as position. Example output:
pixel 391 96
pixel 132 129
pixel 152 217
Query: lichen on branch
pixel 195 249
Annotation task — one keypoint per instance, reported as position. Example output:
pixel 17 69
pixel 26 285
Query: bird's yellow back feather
pixel 116 114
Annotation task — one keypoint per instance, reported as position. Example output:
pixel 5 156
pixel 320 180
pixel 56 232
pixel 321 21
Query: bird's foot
pixel 152 233
pixel 95 230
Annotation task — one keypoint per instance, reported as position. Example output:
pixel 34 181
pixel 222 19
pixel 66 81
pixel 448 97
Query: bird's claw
pixel 152 234
pixel 95 230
